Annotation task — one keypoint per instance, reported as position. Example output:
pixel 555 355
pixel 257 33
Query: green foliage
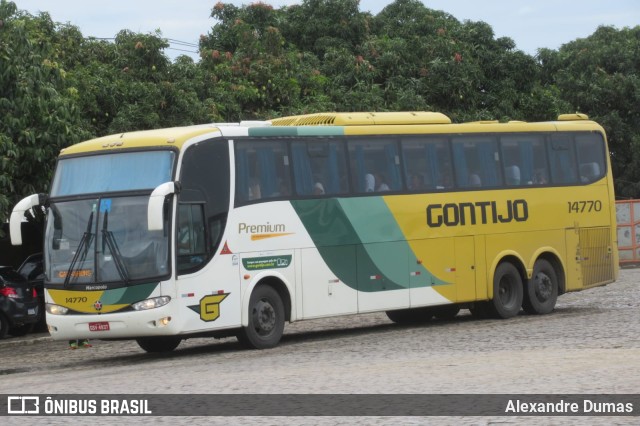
pixel 39 115
pixel 598 75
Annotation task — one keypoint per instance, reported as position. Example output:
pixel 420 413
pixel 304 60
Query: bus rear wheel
pixel 507 291
pixel 541 291
pixel 159 343
pixel 266 319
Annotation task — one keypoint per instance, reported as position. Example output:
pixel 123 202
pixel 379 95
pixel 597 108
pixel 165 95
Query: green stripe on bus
pixel 128 295
pixel 361 232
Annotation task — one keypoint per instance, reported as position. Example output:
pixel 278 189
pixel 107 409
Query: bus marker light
pixel 247 276
pixel 450 270
pixel 188 295
pixel 415 274
pixel 220 291
pixel 164 321
pixel 375 277
pixel 419 261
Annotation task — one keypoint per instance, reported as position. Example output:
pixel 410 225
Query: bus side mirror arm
pixel 155 210
pixel 17 215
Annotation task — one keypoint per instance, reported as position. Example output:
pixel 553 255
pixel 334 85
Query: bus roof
pixel 329 124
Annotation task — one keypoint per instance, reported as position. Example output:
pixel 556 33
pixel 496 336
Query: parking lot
pixel 589 344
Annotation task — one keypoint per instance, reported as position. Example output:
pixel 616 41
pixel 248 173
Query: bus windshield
pixel 103 240
pixel 125 171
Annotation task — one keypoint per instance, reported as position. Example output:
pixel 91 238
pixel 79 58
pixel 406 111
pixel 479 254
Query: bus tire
pixel 159 343
pixel 446 312
pixel 541 291
pixel 410 316
pixel 266 319
pixel 507 292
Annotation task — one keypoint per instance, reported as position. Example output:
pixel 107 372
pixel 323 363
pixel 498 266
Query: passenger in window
pixel 416 183
pixel 512 175
pixel 369 183
pixel 589 172
pixel 475 181
pixel 381 183
pixel 539 178
pixel 445 182
pixel 318 189
pixel 254 189
pixel 283 189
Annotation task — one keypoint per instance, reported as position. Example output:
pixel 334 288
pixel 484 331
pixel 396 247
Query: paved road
pixel 589 344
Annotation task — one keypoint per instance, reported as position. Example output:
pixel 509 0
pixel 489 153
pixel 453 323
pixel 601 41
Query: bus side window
pixel 427 163
pixel 476 161
pixel 319 167
pixel 590 150
pixel 262 170
pixel 524 158
pixel 563 160
pixel 375 166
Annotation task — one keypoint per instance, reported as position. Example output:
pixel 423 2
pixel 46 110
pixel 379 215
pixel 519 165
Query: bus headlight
pixel 56 309
pixel 154 302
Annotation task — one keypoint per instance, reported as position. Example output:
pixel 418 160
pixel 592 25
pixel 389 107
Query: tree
pixel 598 75
pixel 38 109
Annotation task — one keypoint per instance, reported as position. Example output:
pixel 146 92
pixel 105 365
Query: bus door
pixel 465 269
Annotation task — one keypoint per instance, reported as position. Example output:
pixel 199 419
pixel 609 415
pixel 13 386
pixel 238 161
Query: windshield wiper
pixel 107 237
pixel 81 251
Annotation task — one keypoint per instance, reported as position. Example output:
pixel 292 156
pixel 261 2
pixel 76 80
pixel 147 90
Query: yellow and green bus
pixel 235 229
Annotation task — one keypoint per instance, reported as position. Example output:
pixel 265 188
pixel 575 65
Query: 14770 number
pixel 584 206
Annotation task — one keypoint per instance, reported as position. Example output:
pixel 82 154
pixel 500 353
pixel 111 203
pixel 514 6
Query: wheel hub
pixel 265 316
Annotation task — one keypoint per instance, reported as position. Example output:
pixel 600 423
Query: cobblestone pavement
pixel 589 344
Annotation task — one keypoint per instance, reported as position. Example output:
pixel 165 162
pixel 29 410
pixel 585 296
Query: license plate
pixel 31 311
pixel 99 326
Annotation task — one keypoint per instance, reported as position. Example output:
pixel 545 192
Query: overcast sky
pixel 532 24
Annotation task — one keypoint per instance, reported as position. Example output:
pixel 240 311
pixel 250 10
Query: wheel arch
pixel 558 267
pixel 279 284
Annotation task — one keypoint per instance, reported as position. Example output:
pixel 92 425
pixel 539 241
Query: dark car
pixel 33 270
pixel 19 306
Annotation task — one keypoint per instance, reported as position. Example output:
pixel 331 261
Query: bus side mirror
pixel 17 216
pixel 155 219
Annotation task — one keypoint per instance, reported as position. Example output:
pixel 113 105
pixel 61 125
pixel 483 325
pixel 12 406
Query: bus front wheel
pixel 266 319
pixel 159 344
pixel 541 291
pixel 507 291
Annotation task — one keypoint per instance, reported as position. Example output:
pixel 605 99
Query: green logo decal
pixel 269 262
